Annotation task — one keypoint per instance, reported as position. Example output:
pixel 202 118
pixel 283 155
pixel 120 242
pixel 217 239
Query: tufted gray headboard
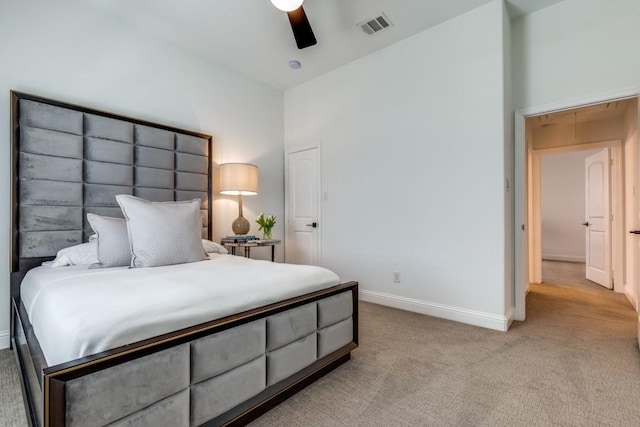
pixel 69 161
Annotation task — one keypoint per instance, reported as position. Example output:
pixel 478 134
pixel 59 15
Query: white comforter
pixel 77 311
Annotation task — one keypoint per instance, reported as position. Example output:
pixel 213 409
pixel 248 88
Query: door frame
pixel 616 208
pixel 288 151
pixel 520 165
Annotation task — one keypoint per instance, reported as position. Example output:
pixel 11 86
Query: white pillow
pixel 162 233
pixel 82 254
pixel 213 248
pixel 113 248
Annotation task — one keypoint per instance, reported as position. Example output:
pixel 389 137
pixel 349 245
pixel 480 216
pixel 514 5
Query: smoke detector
pixel 375 25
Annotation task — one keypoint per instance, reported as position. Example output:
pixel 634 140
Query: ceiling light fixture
pixel 287 5
pixel 294 65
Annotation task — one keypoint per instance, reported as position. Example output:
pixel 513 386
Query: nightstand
pixel 252 244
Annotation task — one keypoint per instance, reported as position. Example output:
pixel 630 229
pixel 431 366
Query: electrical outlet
pixel 396 277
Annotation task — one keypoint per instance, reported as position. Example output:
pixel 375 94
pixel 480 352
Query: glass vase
pixel 266 235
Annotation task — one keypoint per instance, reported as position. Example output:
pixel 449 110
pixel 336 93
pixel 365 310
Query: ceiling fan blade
pixel 301 28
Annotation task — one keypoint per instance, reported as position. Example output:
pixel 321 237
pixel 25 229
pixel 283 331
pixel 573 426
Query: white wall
pixel 562 189
pixel 413 145
pixel 69 51
pixel 509 199
pixel 574 49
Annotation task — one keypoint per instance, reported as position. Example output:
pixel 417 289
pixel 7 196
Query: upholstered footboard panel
pixel 217 395
pixel 110 394
pixel 172 411
pixel 333 337
pixel 201 380
pixel 335 322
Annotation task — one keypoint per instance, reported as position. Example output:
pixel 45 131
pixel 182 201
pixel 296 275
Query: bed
pixel 225 365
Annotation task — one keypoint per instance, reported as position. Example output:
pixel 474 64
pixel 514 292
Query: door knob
pixel 586 224
pixel 313 224
pixel 635 232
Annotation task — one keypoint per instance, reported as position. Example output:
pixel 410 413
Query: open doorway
pixel 612 125
pixel 582 223
pixel 575 199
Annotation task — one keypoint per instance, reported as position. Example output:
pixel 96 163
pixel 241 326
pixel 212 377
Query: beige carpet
pixel 11 409
pixel 566 274
pixel 571 363
pixel 574 362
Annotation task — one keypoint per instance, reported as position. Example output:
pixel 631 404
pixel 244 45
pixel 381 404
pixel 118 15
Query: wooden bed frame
pixel 45 387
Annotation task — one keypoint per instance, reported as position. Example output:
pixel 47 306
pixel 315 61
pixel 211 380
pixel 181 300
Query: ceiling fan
pixel 299 23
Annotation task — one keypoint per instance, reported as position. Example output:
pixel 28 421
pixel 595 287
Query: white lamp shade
pixel 287 5
pixel 238 179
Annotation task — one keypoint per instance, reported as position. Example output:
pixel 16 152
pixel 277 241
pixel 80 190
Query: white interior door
pixel 598 218
pixel 302 192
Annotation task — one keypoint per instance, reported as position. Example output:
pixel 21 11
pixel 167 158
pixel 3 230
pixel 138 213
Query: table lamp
pixel 239 179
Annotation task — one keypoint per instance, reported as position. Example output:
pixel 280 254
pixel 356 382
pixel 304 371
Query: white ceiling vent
pixel 375 25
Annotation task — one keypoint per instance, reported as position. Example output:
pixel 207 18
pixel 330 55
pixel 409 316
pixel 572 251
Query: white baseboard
pixel 509 318
pixel 4 339
pixel 470 317
pixel 632 300
pixel 567 258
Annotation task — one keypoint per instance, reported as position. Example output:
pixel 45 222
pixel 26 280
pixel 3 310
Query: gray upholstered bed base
pixel 200 381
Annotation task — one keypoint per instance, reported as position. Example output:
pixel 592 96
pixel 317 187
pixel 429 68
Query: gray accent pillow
pixel 162 233
pixel 113 248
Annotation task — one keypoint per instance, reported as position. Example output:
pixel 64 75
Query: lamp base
pixel 240 225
